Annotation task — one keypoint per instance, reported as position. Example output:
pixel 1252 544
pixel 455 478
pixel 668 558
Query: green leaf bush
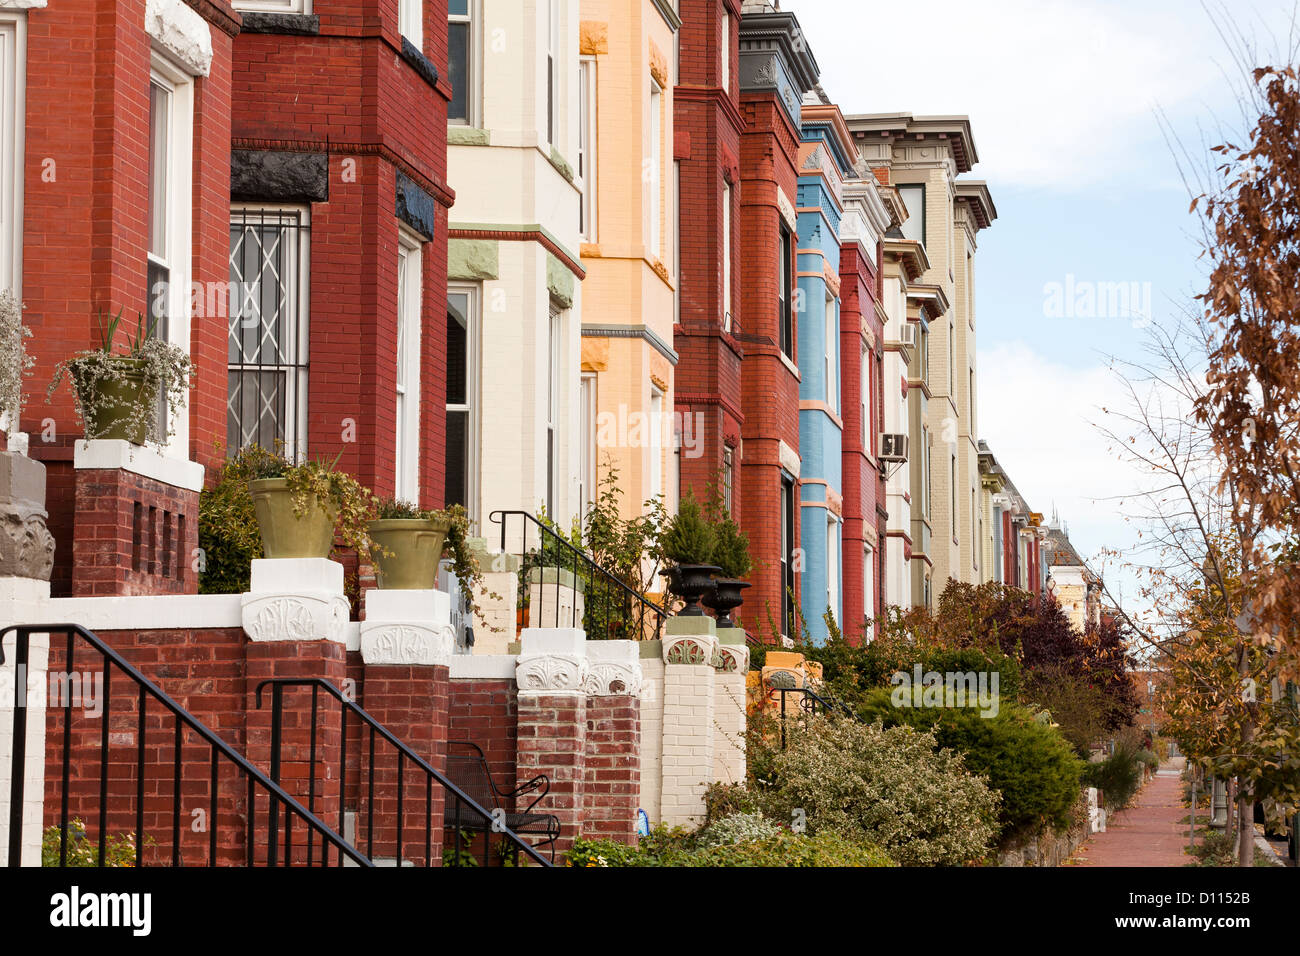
pixel 679 848
pixel 893 787
pixel 690 538
pixel 1025 760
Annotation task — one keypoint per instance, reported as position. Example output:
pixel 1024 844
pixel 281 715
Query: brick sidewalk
pixel 1146 834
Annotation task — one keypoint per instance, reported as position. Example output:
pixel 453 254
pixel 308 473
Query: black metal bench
pixel 467 768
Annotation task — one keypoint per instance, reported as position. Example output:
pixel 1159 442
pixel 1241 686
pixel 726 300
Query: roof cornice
pixel 975 194
pixel 955 130
pixel 911 254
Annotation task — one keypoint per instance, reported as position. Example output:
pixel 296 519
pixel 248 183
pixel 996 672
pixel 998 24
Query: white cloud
pixel 1060 92
pixel 1037 417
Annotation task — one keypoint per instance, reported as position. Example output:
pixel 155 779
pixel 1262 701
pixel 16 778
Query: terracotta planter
pixel 690 582
pixel 108 405
pixel 724 598
pixel 285 534
pixel 414 548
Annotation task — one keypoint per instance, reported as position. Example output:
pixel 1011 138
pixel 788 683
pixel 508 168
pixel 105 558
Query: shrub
pixel 739 828
pixel 891 787
pixel 119 849
pixel 1118 776
pixel 677 847
pixel 228 536
pixel 1028 762
pixel 690 539
pixel 14 360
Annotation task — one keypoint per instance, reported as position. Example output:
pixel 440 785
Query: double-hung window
pixel 461 61
pixel 787 555
pixel 784 292
pixel 13 34
pixel 266 400
pixel 588 491
pixel 832 355
pixel 587 147
pixel 167 258
pixel 726 257
pixel 728 478
pixel 554 376
pixel 552 59
pixel 409 312
pixel 462 397
pixel 410 21
pixel 832 566
pixel 651 175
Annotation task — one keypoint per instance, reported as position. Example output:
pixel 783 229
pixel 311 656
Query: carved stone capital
pixel 689 648
pixel 294 617
pixel 407 644
pixel 733 657
pixel 26 545
pixel 613 669
pixel 551 673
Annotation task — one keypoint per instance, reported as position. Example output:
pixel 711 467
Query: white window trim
pixel 869 588
pixel 180 225
pixel 295 410
pixel 655 443
pixel 410 21
pixel 473 97
pixel 587 146
pixel 654 211
pixel 410 318
pixel 473 392
pixel 13 111
pixel 589 465
pixel 832 343
pixel 833 566
pixel 273 6
pixel 726 51
pixel 726 256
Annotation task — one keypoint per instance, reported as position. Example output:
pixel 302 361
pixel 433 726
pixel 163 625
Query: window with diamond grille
pixel 266 400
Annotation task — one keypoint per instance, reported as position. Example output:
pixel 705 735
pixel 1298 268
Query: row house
pixel 521 130
pixel 866 459
pixel 1013 541
pixel 825 162
pixel 922 156
pixel 266 181
pixel 629 247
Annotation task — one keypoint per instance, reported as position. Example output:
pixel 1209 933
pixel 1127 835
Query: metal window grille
pixel 267 355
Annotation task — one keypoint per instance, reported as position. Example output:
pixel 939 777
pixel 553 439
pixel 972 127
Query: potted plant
pixel 117 392
pixel 409 545
pixel 731 555
pixel 688 546
pixel 14 363
pixel 300 508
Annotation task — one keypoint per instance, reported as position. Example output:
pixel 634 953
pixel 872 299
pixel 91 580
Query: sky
pixel 1071 107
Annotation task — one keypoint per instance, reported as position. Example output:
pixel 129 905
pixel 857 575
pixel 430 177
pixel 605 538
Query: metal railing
pixel 808 703
pixel 597 600
pixel 153 729
pixel 371 732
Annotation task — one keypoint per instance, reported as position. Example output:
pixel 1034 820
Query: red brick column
pixel 552 674
pixel 294 617
pixel 553 741
pixel 612 777
pixel 135 521
pixel 411 702
pixel 406 644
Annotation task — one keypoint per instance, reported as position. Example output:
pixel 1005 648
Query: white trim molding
pixel 180 32
pixel 407 628
pixel 137 459
pixel 553 661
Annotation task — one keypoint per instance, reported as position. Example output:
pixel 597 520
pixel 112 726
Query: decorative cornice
pixel 551 673
pixel 631 332
pixel 689 649
pixel 733 658
pixel 529 233
pixel 444 195
pixel 297 616
pixel 711 94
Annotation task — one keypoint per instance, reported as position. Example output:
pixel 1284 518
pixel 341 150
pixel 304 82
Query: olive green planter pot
pixel 285 534
pixel 109 405
pixel 408 551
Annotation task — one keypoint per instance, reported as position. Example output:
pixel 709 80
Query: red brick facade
pixel 865 514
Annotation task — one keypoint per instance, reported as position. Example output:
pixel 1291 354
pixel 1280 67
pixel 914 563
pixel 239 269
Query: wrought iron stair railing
pixel 807 703
pixel 371 731
pixel 145 724
pixel 611 609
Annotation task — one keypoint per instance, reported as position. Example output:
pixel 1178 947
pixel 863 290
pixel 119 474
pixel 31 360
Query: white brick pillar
pixel 689 647
pixel 497 599
pixel 729 706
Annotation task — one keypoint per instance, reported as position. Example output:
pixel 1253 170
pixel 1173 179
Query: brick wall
pixel 612 768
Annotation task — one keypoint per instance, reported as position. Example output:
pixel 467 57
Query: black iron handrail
pixel 405 754
pixel 277 798
pixel 562 555
pixel 809 704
